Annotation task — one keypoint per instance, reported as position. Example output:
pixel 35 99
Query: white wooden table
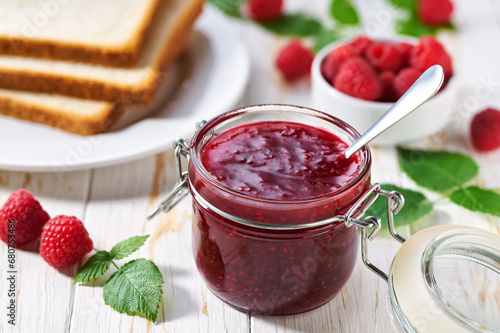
pixel 114 201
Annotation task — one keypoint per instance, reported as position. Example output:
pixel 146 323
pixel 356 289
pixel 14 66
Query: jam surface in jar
pixel 275 172
pixel 279 160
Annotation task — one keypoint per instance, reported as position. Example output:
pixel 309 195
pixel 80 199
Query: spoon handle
pixel 426 86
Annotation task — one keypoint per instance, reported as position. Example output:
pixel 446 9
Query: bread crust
pixel 94 124
pixel 125 55
pixel 121 95
pixel 78 124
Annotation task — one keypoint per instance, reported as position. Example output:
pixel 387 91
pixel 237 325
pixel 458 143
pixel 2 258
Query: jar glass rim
pixel 364 153
pixel 474 247
pixel 416 292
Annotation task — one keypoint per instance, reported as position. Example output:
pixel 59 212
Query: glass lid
pixel 447 279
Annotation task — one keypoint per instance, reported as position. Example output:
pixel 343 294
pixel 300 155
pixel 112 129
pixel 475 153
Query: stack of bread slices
pixel 78 65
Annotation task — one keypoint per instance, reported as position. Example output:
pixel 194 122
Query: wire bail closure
pixel 395 201
pixel 180 189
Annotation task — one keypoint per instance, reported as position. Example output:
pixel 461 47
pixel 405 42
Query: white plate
pixel 219 69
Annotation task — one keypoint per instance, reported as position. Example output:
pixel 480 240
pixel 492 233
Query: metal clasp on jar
pixel 395 202
pixel 180 190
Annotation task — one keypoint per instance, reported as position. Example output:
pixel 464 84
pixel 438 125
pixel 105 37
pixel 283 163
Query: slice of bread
pixel 131 86
pixel 74 115
pixel 88 117
pixel 109 32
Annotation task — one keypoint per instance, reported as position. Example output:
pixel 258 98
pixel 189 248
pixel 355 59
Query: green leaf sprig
pixel 342 12
pixel 412 25
pixel 295 25
pixel 439 171
pixel 229 7
pixel 404 4
pixel 443 172
pixel 135 288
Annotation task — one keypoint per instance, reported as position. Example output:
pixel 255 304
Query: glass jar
pixel 269 256
pixel 279 257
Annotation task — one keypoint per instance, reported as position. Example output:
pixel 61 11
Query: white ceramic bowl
pixel 428 119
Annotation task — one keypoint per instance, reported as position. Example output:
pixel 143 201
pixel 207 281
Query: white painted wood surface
pixel 113 203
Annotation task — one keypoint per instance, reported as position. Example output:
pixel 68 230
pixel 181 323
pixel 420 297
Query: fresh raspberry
pixel 405 50
pixel 384 56
pixel 294 61
pixel 334 59
pixel 405 78
pixel 386 79
pixel 430 52
pixel 361 43
pixel 435 12
pixel 29 218
pixel 265 10
pixel 357 78
pixel 485 130
pixel 64 241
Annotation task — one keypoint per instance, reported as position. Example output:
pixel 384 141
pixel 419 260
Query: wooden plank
pixel 44 294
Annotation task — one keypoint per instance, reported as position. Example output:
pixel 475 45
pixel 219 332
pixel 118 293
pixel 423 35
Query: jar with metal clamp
pixel 280 256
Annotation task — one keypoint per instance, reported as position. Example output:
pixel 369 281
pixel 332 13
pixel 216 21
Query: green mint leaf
pixel 416 206
pixel 229 7
pixel 450 26
pixel 135 289
pixel 127 247
pixel 323 38
pixel 405 4
pixel 344 12
pixel 477 200
pixel 96 266
pixel 439 171
pixel 295 25
pixel 414 27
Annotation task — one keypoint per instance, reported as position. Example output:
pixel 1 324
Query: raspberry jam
pixel 279 160
pixel 260 178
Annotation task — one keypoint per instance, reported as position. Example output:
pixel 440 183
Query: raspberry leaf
pixel 127 247
pixel 477 200
pixel 296 25
pixel 416 206
pixel 135 289
pixel 412 26
pixel 323 38
pixel 440 171
pixel 229 7
pixel 344 12
pixel 96 266
pixel 405 4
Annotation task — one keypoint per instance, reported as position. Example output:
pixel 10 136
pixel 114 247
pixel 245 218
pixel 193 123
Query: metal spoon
pixel 426 86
